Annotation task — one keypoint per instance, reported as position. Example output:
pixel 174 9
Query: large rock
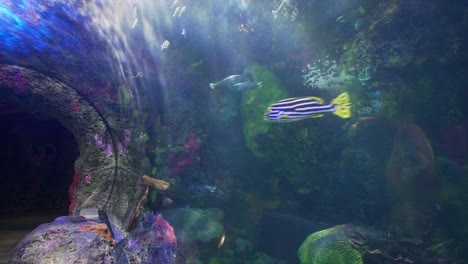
pixel 111 159
pixel 329 246
pixel 74 239
pixel 68 239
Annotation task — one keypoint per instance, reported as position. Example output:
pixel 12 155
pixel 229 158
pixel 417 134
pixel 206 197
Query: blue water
pixel 397 168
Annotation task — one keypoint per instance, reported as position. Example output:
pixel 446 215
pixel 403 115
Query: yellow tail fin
pixel 343 105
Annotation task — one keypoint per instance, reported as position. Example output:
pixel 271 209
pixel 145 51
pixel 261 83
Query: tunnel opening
pixel 37 156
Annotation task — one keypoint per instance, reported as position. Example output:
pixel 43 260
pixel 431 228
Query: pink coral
pixel 77 178
pixel 191 147
pixel 164 231
pixel 106 147
pixel 75 106
pixel 88 178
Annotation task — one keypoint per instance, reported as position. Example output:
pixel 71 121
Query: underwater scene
pixel 234 131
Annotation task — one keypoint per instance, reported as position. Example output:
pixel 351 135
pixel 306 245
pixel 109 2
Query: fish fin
pixel 212 85
pixel 318 99
pixel 343 105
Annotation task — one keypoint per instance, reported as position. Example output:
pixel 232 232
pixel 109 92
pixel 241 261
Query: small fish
pixel 134 22
pixel 174 4
pixel 184 33
pixel 176 11
pixel 204 190
pixel 245 86
pixel 221 241
pixel 340 19
pixel 165 44
pixel 362 120
pixel 298 108
pixel 179 11
pixel 166 201
pixel 232 80
pixel 182 10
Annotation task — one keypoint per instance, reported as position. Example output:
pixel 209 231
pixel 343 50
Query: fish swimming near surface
pixel 298 108
pixel 233 80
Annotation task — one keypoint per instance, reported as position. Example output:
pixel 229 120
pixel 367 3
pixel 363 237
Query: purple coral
pixel 152 241
pixel 15 80
pixel 106 147
pixel 191 146
pixel 127 136
pixel 122 149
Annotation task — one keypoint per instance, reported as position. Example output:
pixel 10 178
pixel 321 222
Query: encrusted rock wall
pixel 111 161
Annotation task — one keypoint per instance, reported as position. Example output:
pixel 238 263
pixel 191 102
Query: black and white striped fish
pixel 298 108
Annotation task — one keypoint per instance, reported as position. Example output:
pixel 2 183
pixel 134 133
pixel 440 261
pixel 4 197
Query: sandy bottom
pixel 14 227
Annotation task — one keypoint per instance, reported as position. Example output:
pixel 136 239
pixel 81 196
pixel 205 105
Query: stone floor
pixel 14 227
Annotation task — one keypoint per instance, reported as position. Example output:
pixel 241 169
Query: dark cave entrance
pixel 37 156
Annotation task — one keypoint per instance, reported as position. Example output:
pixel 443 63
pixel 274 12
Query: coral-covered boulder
pixel 152 241
pixel 329 246
pixel 75 239
pixel 68 239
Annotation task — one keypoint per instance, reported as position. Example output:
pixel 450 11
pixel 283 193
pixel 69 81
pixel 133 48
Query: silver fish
pixel 176 11
pixel 174 4
pixel 182 10
pixel 232 80
pixel 245 86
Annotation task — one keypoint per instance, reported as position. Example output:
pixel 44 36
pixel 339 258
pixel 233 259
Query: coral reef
pixel 329 246
pixel 180 161
pixel 193 224
pixel 98 228
pixel 326 73
pixel 152 241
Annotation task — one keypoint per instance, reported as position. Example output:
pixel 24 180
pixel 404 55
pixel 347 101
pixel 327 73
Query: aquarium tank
pixel 233 131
